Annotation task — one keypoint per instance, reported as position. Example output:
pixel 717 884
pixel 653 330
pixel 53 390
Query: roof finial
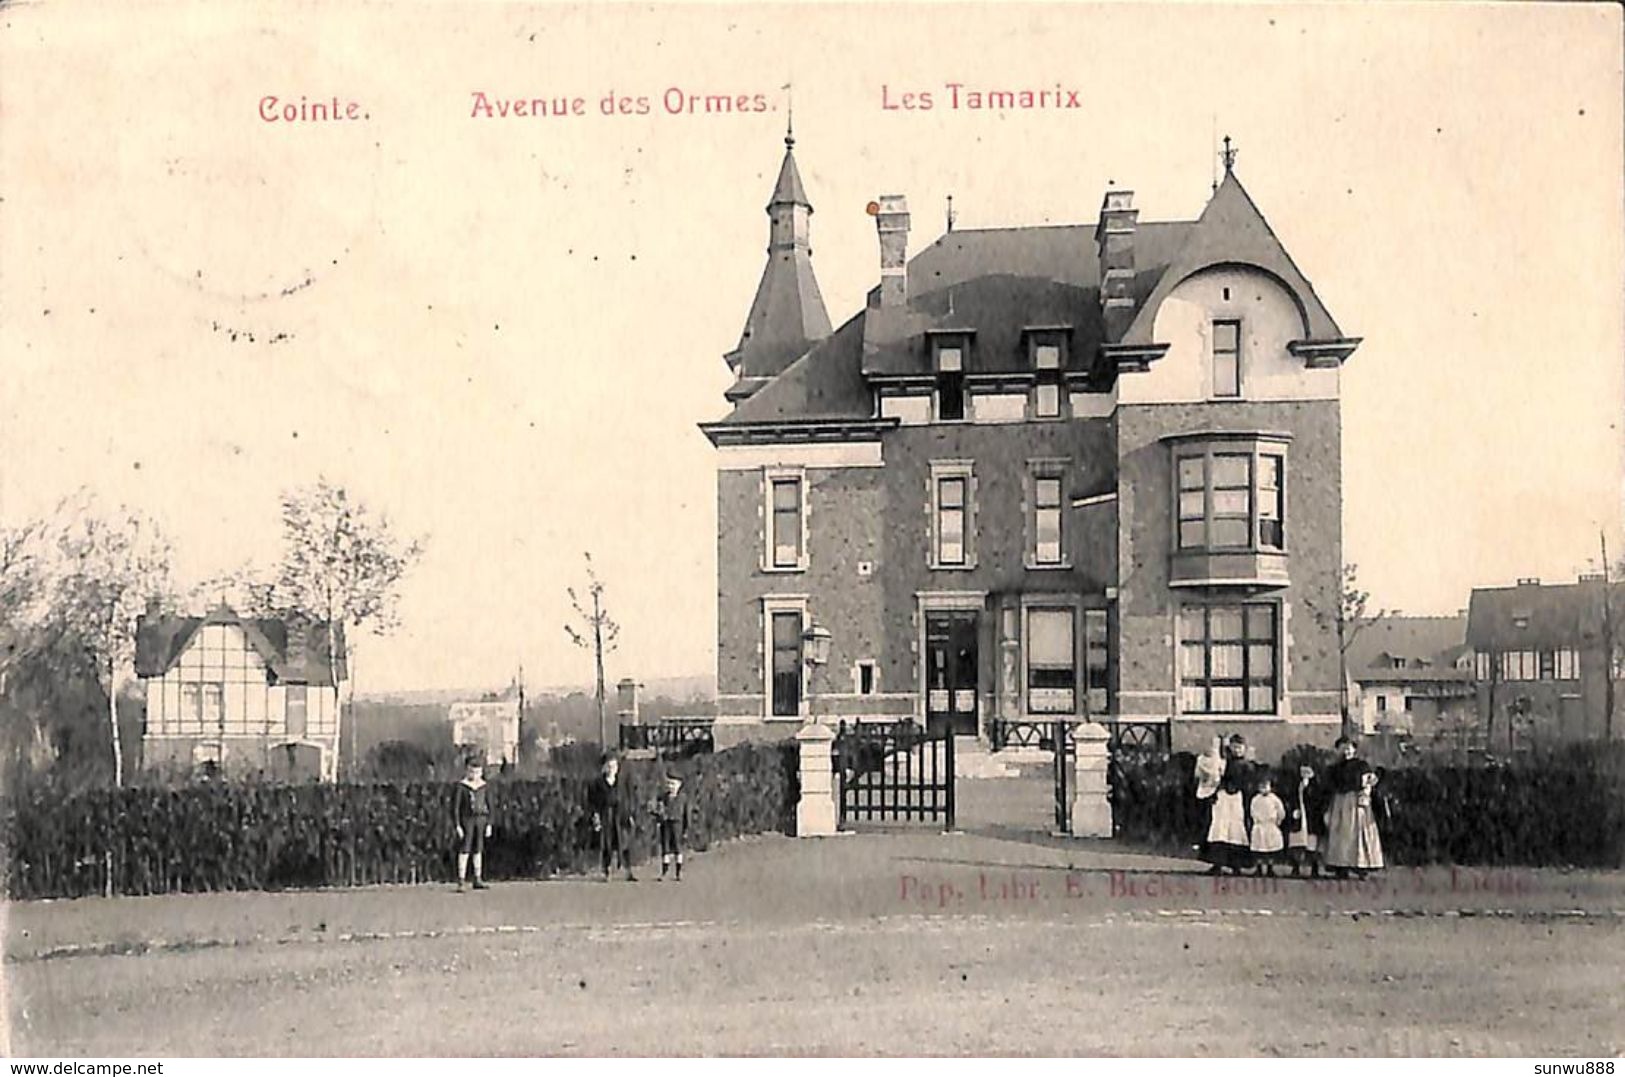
pixel 789 118
pixel 1229 156
pixel 950 213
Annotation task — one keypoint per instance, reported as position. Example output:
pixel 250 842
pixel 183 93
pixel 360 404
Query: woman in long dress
pixel 1227 845
pixel 1352 841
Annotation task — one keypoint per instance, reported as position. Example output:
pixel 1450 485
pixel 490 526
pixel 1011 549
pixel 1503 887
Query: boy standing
pixel 607 802
pixel 471 814
pixel 671 818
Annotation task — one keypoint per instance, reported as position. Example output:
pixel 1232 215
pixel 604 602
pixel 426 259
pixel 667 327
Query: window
pixel 1047 360
pixel 1382 704
pixel 1227 358
pixel 950 398
pixel 1228 659
pixel 297 709
pixel 1047 400
pixel 1548 665
pixel 1519 666
pixel 1096 661
pixel 784 539
pixel 1568 665
pixel 1232 492
pixel 786 664
pixel 866 678
pixel 1051 662
pixel 1047 520
pixel 951 520
pixel 1230 500
pixel 1409 704
pixel 1271 469
pixel 948 356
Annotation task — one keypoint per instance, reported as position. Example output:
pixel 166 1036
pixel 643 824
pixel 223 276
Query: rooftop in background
pixel 1401 648
pixel 1535 616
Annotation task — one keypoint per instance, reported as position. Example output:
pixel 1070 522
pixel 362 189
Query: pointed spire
pixel 787 316
pixel 788 191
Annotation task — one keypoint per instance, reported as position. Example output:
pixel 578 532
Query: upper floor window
pixel 1047 502
pixel 950 397
pixel 1226 357
pixel 951 520
pixel 1046 547
pixel 1231 499
pixel 951 515
pixel 786 521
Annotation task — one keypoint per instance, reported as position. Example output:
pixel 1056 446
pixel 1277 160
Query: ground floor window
pixel 1228 659
pixel 786 664
pixel 1052 675
pixel 1096 660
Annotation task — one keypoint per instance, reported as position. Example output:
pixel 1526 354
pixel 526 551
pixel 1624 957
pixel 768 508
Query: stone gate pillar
pixel 815 812
pixel 1091 802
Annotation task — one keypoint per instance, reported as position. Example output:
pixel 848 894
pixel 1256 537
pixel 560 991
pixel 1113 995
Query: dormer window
pixel 948 360
pixel 1046 350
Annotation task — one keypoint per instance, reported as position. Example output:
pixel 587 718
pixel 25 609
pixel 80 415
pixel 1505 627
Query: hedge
pixel 270 837
pixel 1565 809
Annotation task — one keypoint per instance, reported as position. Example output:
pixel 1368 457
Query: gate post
pixel 815 811
pixel 1091 802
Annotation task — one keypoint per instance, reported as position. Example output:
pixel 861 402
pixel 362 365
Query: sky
pixel 501 332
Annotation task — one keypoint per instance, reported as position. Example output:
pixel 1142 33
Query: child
pixel 1267 812
pixel 471 814
pixel 671 817
pixel 1227 841
pixel 1306 822
pixel 606 800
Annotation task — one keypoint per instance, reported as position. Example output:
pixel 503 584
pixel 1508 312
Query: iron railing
pixel 671 737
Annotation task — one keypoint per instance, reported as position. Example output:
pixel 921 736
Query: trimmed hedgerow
pixel 270 837
pixel 1564 809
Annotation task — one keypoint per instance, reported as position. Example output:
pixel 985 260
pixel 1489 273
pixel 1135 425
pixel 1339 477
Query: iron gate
pixel 894 772
pixel 1064 742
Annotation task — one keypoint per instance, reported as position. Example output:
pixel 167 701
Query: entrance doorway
pixel 951 670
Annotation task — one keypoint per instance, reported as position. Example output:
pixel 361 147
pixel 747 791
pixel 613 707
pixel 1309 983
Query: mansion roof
pixel 996 285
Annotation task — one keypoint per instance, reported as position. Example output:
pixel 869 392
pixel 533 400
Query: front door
pixel 950 673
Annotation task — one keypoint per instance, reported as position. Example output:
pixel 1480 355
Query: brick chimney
pixel 1114 240
pixel 891 222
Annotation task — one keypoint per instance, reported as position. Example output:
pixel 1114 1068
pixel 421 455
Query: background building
pixel 1542 659
pixel 239 695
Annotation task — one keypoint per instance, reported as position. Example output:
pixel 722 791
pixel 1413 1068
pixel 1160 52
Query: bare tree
pixel 22 588
pixel 1353 617
pixel 341 562
pixel 110 566
pixel 595 631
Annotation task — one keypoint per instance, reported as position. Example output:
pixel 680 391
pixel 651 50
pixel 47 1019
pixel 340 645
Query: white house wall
pixel 221 655
pixel 1269 321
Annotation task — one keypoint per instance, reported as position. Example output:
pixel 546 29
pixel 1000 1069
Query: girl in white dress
pixel 1268 813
